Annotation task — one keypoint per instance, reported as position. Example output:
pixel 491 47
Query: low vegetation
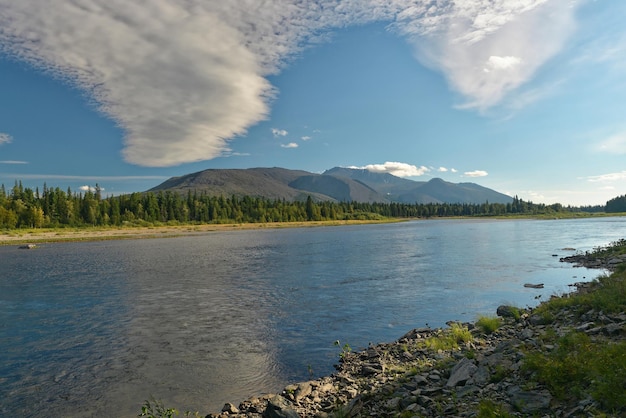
pixel 581 365
pixel 449 339
pixel 488 324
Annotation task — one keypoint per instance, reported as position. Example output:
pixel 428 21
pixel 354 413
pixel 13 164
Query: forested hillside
pixel 53 207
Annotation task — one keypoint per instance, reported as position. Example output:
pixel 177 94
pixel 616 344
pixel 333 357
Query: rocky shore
pixel 479 373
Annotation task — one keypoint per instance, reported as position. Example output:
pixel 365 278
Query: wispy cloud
pixel 609 177
pixel 305 138
pixel 13 162
pixel 397 169
pixel 182 78
pixel 475 173
pixel 5 138
pixel 614 144
pixel 289 145
pixel 488 49
pixel 32 176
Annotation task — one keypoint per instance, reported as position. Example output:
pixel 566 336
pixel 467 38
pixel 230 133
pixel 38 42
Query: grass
pixel 155 409
pixel 581 366
pixel 489 409
pixel 608 294
pixel 448 339
pixel 488 324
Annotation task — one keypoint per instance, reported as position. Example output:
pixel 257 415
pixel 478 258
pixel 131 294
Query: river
pixel 95 328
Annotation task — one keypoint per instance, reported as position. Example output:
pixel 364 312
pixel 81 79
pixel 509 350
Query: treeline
pixel 617 204
pixel 24 208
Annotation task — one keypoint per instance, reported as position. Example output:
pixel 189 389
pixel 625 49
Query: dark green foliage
pixel 579 365
pixel 22 208
pixel 617 204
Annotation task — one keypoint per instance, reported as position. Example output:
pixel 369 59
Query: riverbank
pixel 565 358
pixel 48 235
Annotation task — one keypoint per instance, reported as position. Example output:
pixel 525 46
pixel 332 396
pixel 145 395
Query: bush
pixel 579 366
pixel 448 339
pixel 488 324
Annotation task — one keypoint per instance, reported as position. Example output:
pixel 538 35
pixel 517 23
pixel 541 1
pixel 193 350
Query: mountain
pixel 337 184
pixel 436 190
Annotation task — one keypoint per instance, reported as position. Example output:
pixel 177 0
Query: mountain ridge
pixel 336 184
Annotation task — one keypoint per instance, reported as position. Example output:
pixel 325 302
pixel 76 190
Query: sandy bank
pixel 43 235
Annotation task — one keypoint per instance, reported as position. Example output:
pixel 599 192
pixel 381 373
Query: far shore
pixel 85 233
pixel 50 235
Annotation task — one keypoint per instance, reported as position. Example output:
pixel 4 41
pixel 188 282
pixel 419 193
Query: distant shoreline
pixel 69 234
pixel 52 235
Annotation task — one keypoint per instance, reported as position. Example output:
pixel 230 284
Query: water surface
pixel 93 329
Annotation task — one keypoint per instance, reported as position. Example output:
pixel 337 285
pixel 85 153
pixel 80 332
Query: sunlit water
pixel 94 329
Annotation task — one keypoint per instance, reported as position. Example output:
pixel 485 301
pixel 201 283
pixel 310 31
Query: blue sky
pixel 525 97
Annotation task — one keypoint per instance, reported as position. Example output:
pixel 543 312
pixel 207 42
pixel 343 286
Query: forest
pixel 22 207
pixel 617 204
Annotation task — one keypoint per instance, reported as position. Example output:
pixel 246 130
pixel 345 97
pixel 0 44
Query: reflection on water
pixel 93 329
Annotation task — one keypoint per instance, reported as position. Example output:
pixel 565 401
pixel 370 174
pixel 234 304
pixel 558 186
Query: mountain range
pixel 337 184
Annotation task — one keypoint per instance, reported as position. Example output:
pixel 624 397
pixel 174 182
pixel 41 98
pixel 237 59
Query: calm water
pixel 93 329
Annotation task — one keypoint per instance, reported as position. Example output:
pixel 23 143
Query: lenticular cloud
pixel 182 78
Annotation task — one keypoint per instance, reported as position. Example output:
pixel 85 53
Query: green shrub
pixel 490 409
pixel 448 339
pixel 488 324
pixel 579 366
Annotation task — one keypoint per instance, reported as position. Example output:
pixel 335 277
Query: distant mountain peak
pixel 335 184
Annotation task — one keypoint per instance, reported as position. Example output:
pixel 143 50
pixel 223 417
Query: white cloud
pixel 289 145
pixel 279 132
pixel 397 169
pixel 5 138
pixel 476 173
pixel 89 188
pixel 13 162
pixel 615 144
pixel 305 138
pixel 511 39
pixel 182 78
pixel 89 178
pixel 609 177
pixel 442 170
pixel 501 63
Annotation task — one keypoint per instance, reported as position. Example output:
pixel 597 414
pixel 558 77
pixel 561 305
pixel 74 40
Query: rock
pixel 461 372
pixel 279 407
pixel 230 408
pixel 613 329
pixel 534 286
pixel 303 390
pixel 526 334
pixel 537 320
pixel 529 402
pixel 507 311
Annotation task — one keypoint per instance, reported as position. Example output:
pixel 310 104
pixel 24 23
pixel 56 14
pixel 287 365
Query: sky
pixel 527 97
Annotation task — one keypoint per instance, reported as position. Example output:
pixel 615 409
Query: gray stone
pixel 526 334
pixel 507 311
pixel 613 329
pixel 529 402
pixel 279 407
pixel 537 320
pixel 303 390
pixel 461 372
pixel 355 406
pixel 481 376
pixel 230 408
